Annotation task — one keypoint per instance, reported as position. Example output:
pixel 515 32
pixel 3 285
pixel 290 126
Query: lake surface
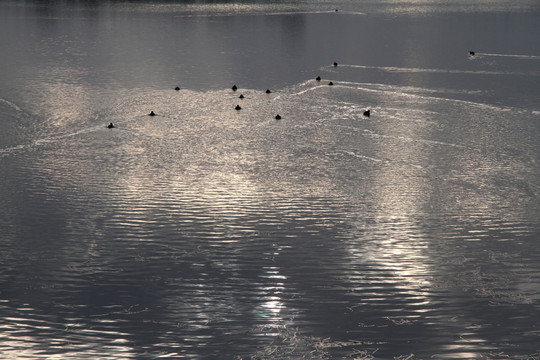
pixel 206 232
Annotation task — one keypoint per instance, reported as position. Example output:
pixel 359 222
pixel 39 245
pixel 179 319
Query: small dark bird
pixel 152 113
pixel 268 91
pixel 367 113
pixel 277 117
pixel 238 107
pixel 318 78
pixel 234 88
pixel 336 10
pixel 241 96
pixel 177 88
pixel 110 126
pixel 330 83
pixel 335 64
pixel 472 53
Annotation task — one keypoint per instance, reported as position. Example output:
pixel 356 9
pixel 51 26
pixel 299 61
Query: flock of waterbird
pixel 367 113
pixel 238 107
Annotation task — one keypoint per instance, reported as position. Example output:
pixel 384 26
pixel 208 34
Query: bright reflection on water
pixel 206 232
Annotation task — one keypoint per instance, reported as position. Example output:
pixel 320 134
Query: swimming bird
pixel 472 53
pixel 367 113
pixel 277 117
pixel 241 96
pixel 234 88
pixel 152 113
pixel 110 126
pixel 330 83
pixel 177 88
pixel 268 91
pixel 335 64
pixel 238 107
pixel 318 78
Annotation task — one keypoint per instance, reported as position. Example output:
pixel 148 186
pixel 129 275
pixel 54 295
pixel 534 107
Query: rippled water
pixel 206 232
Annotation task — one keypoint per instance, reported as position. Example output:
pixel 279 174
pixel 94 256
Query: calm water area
pixel 207 232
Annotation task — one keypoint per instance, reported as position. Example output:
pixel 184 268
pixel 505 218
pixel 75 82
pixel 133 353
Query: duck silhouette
pixel 234 88
pixel 277 117
pixel 367 113
pixel 330 83
pixel 110 126
pixel 238 107
pixel 177 88
pixel 241 96
pixel 152 113
pixel 268 91
pixel 318 78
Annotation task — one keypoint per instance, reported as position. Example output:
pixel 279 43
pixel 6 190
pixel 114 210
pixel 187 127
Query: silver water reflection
pixel 206 232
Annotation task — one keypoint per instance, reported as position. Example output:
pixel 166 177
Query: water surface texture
pixel 206 232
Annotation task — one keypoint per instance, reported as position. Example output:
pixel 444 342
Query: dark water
pixel 210 233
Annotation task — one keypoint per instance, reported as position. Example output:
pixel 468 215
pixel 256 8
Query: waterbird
pixel 318 78
pixel 367 113
pixel 472 53
pixel 238 107
pixel 268 91
pixel 241 96
pixel 335 64
pixel 234 88
pixel 277 117
pixel 110 126
pixel 330 83
pixel 177 88
pixel 152 113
